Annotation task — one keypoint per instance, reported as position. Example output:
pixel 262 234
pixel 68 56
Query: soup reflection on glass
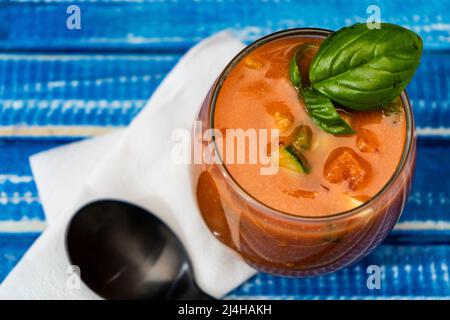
pixel 290 222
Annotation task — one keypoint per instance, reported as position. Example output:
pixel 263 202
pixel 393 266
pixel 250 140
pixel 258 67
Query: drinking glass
pixel 285 244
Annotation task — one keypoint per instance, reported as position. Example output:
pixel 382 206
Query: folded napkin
pixel 135 165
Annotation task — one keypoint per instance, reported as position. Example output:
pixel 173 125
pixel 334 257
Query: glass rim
pixel 311 32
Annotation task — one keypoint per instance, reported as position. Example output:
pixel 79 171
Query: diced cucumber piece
pixel 303 137
pixel 292 160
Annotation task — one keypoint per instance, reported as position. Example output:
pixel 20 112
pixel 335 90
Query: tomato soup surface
pixel 344 171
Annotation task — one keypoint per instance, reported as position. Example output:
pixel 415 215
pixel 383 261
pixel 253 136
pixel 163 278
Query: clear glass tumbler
pixel 289 245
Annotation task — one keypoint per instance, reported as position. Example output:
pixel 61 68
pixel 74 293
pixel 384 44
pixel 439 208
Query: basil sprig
pixel 324 114
pixel 360 68
pixel 364 69
pixel 320 108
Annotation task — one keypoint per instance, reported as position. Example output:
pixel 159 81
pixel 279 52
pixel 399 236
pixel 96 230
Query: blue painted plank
pixel 430 196
pixel 74 90
pixel 407 272
pixel 12 247
pixel 88 76
pixel 19 198
pixel 177 25
pixel 15 153
pixel 109 90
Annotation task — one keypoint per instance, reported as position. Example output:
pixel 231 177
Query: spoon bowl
pixel 125 252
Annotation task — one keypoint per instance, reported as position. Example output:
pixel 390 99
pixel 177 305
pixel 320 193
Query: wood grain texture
pixel 175 25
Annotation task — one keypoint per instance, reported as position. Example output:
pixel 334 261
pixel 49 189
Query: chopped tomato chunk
pixel 302 194
pixel 367 141
pixel 344 164
pixel 283 120
pixel 253 63
pixel 361 119
pixel 280 112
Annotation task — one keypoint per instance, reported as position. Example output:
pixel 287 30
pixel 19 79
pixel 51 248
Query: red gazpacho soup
pixel 343 171
pixel 317 213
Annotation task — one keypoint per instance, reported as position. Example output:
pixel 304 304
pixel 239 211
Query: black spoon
pixel 125 252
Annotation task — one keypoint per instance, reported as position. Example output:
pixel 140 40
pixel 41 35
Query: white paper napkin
pixel 135 165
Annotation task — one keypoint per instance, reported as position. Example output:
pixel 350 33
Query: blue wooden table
pixel 59 85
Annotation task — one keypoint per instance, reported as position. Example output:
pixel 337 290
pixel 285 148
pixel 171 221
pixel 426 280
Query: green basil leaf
pixel 294 72
pixel 294 66
pixel 324 114
pixel 363 69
